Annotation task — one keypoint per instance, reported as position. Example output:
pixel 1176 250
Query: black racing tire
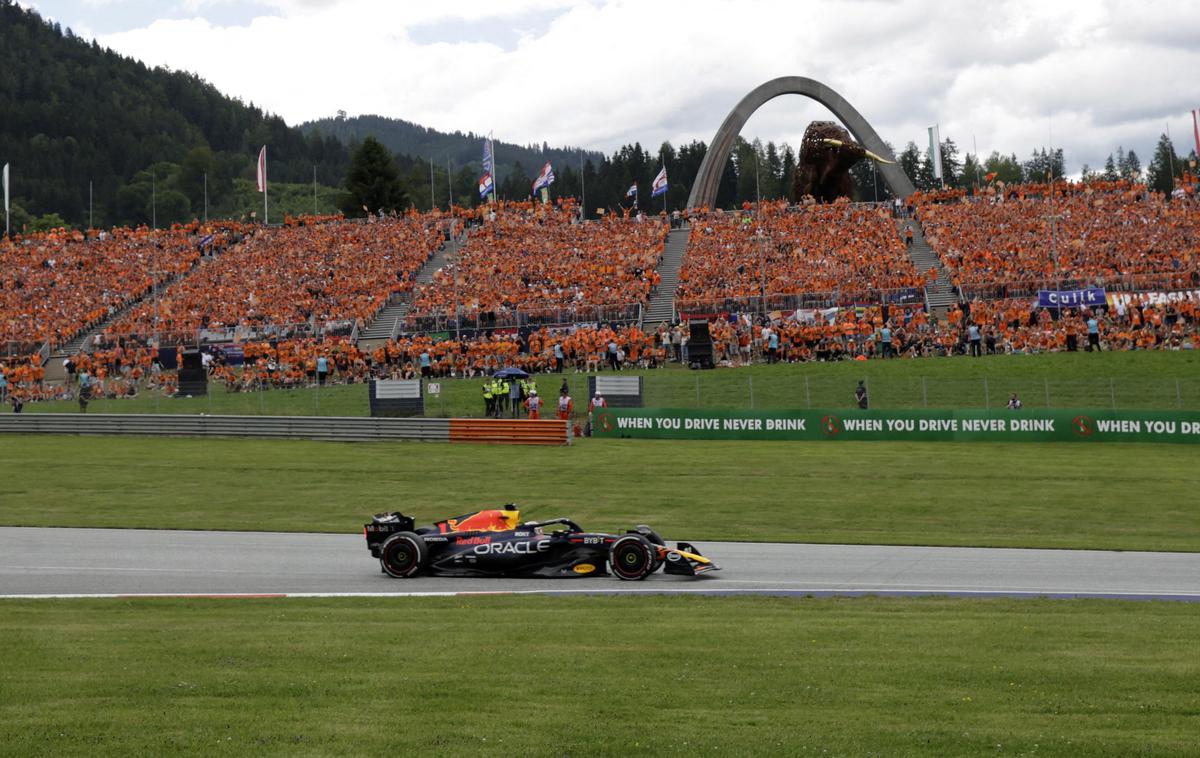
pixel 403 555
pixel 655 539
pixel 632 557
pixel 650 534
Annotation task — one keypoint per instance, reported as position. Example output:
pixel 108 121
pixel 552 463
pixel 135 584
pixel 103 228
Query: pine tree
pixel 951 166
pixel 1133 166
pixel 373 181
pixel 787 179
pixel 1160 174
pixel 910 163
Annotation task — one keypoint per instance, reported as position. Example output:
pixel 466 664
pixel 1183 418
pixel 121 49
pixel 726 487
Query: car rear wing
pixel 384 525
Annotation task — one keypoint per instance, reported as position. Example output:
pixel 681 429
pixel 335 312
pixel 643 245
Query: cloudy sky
pixel 1009 76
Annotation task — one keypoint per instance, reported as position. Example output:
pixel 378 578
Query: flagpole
pixel 153 200
pixel 582 190
pixel 265 217
pixel 978 165
pixel 7 212
pixel 1172 146
pixel 942 171
pixel 668 190
pixel 206 197
pixel 449 186
pixel 432 202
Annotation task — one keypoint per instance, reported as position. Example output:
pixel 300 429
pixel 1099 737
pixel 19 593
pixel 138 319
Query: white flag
pixel 262 169
pixel 6 198
pixel 935 151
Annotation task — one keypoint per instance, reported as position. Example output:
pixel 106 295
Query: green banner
pixel 1058 425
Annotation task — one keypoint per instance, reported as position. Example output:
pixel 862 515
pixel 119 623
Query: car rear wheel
pixel 403 555
pixel 632 557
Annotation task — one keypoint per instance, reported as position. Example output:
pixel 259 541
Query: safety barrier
pixel 515 432
pixel 338 428
pixel 335 428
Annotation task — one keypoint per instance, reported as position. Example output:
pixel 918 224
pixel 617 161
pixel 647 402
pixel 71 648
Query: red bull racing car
pixel 497 543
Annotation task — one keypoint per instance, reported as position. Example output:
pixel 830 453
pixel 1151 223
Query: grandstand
pixel 57 285
pixel 1107 234
pixel 531 282
pixel 328 276
pixel 800 256
pixel 527 263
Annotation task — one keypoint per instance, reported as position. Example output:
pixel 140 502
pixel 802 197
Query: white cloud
pixel 1095 74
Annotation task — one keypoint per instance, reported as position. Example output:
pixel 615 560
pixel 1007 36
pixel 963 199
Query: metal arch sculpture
pixel 704 189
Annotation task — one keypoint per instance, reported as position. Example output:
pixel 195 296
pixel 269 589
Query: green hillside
pixel 76 113
pixel 459 149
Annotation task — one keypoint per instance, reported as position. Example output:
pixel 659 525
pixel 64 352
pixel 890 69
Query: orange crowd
pixel 533 257
pixel 325 272
pixel 1110 234
pixel 54 285
pixel 846 252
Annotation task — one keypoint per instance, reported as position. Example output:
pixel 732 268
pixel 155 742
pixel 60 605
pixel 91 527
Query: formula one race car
pixel 496 543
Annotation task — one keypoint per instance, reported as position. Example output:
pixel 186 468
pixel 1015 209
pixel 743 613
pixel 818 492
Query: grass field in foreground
pixel 599 676
pixel 1119 496
pixel 1146 380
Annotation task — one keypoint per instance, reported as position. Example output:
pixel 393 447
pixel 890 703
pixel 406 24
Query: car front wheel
pixel 631 557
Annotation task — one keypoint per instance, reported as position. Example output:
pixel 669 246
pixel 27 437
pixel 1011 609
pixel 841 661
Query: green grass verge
pixel 1145 380
pixel 599 676
pixel 1120 496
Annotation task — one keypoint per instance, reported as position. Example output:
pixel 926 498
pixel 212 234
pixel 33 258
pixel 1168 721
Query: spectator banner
pixel 975 425
pixel 1088 298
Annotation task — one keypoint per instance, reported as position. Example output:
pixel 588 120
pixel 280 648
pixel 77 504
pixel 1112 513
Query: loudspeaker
pixel 192 361
pixel 193 380
pixel 699 346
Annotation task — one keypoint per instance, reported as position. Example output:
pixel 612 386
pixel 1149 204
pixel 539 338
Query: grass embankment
pixel 599 676
pixel 1120 496
pixel 1147 380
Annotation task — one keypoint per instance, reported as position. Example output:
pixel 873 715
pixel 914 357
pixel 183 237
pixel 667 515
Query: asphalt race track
pixel 108 562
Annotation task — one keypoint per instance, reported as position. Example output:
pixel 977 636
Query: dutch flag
pixel 632 192
pixel 660 183
pixel 545 179
pixel 485 185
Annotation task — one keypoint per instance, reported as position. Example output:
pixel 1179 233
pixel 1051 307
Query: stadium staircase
pixel 662 303
pixel 390 318
pixel 942 294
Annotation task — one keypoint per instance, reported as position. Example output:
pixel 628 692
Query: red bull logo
pixel 475 541
pixel 482 521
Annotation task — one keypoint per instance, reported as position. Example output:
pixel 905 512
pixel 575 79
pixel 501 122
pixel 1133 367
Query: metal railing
pixel 801 301
pixel 475 322
pixel 1163 282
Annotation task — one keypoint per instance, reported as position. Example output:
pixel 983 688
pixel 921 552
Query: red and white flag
pixel 262 169
pixel 1196 129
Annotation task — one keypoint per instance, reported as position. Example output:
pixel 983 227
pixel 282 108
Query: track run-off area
pixel 71 562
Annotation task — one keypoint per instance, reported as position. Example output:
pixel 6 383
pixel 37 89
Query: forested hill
pixel 72 112
pixel 416 141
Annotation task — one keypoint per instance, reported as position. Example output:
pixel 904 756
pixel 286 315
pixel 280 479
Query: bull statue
pixel 826 156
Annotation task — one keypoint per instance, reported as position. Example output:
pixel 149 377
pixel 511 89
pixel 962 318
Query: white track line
pixel 883 591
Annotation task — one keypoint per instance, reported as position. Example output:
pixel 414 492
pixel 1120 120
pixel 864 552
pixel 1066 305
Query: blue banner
pixel 1088 298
